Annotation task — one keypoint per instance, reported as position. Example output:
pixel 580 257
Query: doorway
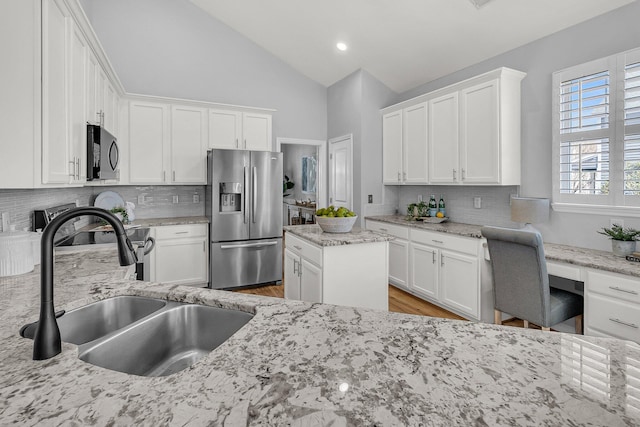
pixel 341 171
pixel 305 164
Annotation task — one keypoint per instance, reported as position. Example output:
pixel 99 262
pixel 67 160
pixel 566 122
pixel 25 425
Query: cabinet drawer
pixel 564 270
pixel 613 285
pixel 394 230
pixel 181 231
pixel 446 241
pixel 614 317
pixel 303 248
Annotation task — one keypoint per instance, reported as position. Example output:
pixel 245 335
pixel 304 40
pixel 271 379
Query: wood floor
pixel 399 302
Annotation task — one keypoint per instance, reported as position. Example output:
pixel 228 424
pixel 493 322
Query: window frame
pixel 616 202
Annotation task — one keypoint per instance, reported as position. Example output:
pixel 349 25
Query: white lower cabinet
pixel 181 254
pixel 612 305
pixel 352 275
pixel 303 279
pixel 441 268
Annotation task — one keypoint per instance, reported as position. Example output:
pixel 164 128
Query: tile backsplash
pixel 158 201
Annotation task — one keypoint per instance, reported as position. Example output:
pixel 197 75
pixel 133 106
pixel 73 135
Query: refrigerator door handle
pixel 254 193
pixel 244 192
pixel 249 245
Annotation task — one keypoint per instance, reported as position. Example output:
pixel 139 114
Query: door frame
pixel 348 137
pixel 321 195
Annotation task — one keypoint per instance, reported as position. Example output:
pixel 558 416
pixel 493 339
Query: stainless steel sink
pixel 100 318
pixel 166 342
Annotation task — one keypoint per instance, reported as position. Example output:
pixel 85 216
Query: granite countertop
pixel 157 222
pixel 581 257
pixel 466 230
pixel 305 364
pixel 357 235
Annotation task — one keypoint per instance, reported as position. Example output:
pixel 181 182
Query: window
pixel 596 132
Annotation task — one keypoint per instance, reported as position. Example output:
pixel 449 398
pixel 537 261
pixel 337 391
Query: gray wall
pixel 353 107
pixel 602 36
pixel 173 48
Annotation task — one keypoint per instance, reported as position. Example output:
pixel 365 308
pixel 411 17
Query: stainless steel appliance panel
pixel 266 195
pixel 248 262
pixel 227 192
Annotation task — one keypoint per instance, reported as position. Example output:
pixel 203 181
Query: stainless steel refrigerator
pixel 244 207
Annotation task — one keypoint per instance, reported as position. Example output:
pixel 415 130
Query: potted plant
pixel 623 240
pixel 286 186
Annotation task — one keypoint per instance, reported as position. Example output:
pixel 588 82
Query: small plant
pixel 118 211
pixel 287 185
pixel 617 232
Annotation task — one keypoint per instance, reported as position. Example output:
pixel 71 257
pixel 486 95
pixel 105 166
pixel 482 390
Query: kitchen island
pixel 307 364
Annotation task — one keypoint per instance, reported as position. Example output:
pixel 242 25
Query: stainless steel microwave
pixel 103 155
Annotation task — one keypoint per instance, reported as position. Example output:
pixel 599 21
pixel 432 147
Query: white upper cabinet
pixel 392 147
pixel 148 142
pixel 167 143
pixel 55 57
pixel 256 131
pixel 405 146
pixel 472 133
pixel 188 144
pixel 240 130
pixel 443 137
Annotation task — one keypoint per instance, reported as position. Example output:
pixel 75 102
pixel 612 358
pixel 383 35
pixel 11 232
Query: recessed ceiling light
pixel 341 46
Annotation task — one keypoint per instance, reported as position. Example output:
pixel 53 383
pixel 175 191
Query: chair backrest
pixel 520 279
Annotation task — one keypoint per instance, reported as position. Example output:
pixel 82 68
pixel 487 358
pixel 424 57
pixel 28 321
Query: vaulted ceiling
pixel 403 43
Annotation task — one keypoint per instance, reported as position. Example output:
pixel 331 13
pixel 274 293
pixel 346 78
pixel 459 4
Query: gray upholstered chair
pixel 521 283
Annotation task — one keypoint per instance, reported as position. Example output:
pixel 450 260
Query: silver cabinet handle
pixel 244 192
pixel 164 176
pixel 249 245
pixel 245 143
pixel 463 174
pixel 254 193
pixel 295 267
pixel 437 241
pixel 174 176
pixel 297 247
pixel 204 246
pixel 237 143
pixel 181 232
pixel 433 261
pixel 615 288
pixel 454 175
pixel 631 325
pixel 72 174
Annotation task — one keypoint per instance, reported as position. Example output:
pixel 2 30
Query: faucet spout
pixel 46 342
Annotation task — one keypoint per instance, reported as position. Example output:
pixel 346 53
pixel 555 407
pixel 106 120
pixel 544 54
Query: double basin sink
pixel 147 336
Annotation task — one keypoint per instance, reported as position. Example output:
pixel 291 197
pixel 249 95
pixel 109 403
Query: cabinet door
pixel 55 55
pixel 443 139
pixel 148 141
pixel 392 148
pixel 291 275
pixel 424 270
pixel 188 145
pixel 479 134
pixel 110 108
pixel 399 263
pixel 181 261
pixel 460 282
pixel 415 144
pixel 310 282
pixel 77 107
pixel 92 88
pixel 225 129
pixel 256 131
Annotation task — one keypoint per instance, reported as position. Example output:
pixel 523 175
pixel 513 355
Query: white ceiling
pixel 403 43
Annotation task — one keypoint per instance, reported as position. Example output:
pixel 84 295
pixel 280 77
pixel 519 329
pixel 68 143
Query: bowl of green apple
pixel 332 220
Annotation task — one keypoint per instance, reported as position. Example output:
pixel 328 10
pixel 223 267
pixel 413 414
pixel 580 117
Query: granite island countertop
pixel 581 257
pixel 307 364
pixel 357 235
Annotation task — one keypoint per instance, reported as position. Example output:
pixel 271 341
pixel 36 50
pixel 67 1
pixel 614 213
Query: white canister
pixel 16 253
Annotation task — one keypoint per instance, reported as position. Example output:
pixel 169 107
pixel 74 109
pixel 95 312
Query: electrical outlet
pixel 140 199
pixel 618 221
pixel 370 198
pixel 175 199
pixel 196 198
pixel 477 202
pixel 419 197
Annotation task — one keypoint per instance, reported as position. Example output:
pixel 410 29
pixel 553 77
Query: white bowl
pixel 336 224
